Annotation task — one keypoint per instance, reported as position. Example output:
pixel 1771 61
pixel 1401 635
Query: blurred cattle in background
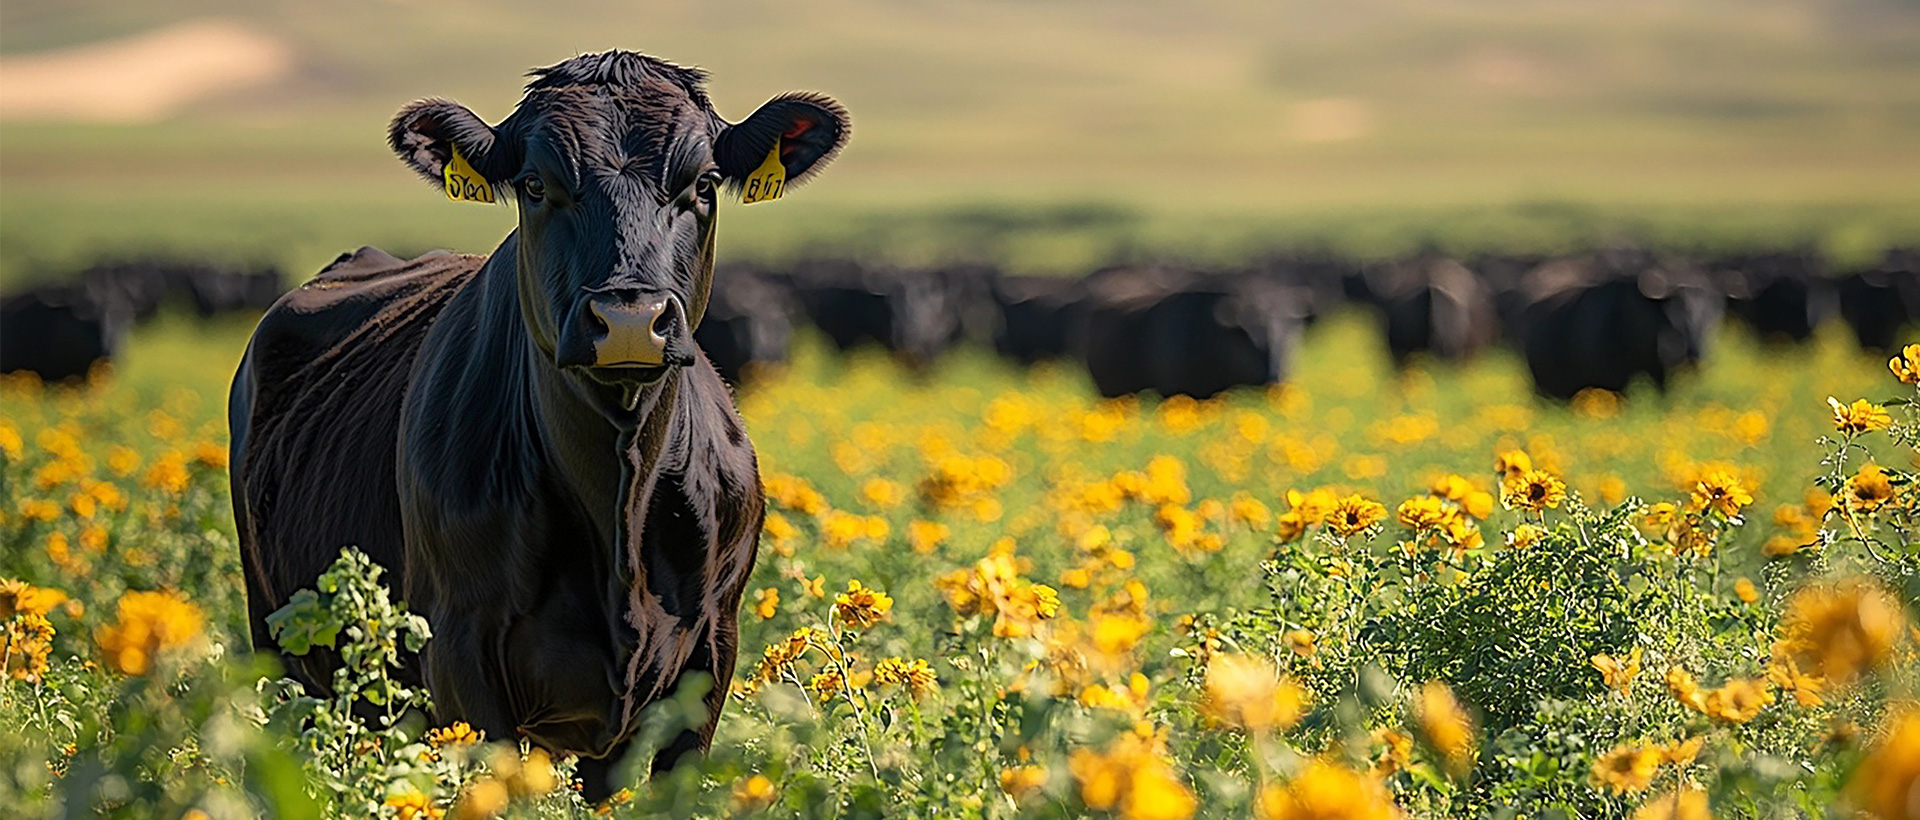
pixel 1603 319
pixel 1177 332
pixel 1321 280
pixel 1881 302
pixel 59 332
pixel 1503 274
pixel 748 324
pixel 1782 296
pixel 1035 317
pixel 144 286
pixel 916 314
pixel 1436 306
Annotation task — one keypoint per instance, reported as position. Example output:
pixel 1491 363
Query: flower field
pixel 984 593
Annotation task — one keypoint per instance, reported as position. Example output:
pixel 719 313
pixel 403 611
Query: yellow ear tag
pixel 465 184
pixel 768 181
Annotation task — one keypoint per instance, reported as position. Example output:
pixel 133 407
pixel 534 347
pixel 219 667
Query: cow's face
pixel 617 163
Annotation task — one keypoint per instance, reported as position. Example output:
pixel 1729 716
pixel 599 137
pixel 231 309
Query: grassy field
pixel 1127 609
pixel 1048 136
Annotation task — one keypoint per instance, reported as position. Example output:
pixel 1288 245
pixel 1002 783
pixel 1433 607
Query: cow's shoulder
pixel 360 299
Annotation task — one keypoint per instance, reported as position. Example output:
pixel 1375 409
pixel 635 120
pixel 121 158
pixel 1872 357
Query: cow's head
pixel 617 162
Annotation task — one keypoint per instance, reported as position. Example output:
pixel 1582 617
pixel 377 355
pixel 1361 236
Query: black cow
pixel 1881 302
pixel 1603 319
pixel 1175 332
pixel 531 440
pixel 1782 296
pixel 143 286
pixel 58 332
pixel 749 323
pixel 1434 306
pixel 1035 315
pixel 917 314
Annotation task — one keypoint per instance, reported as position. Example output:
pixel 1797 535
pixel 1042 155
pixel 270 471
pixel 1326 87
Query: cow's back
pixel 315 414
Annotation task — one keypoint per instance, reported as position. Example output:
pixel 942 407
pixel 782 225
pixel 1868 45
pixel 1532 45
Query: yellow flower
pixel 148 624
pixel 1889 777
pixel 1867 491
pixel 1906 366
pixel 1618 674
pixel 1118 633
pixel 210 454
pixel 482 799
pixel 1289 526
pixel 26 641
pixel 861 607
pixel 1839 631
pixel 1685 803
pixel 21 598
pixel 529 776
pixel 794 493
pixel 1628 768
pixel 1022 782
pixel 1659 517
pixel 1783 671
pixel 412 805
pixel 1424 512
pixel 1533 490
pixel 169 473
pixel 1525 535
pixel 1251 694
pixel 1683 688
pixel 1301 641
pixel 915 675
pixel 1738 700
pixel 1512 464
pixel 1326 790
pixel 753 794
pixel 816 587
pixel 1858 417
pixel 827 684
pixel 1396 751
pixel 458 734
pixel 1447 726
pixel 1746 591
pixel 1354 515
pixel 1682 753
pixel 1720 490
pixel 883 493
pixel 1131 778
pixel 924 536
pixel 766 602
pixel 1249 511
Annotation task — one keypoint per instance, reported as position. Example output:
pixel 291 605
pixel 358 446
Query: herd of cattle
pixel 1601 319
pixel 60 331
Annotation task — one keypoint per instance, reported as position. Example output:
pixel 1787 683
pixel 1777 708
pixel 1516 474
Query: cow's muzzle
pixel 623 329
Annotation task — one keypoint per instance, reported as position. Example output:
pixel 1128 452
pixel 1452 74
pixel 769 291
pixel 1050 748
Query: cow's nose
pixel 636 331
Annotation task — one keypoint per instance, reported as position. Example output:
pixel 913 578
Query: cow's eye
pixel 534 188
pixel 706 184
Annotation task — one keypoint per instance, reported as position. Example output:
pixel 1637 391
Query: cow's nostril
pixel 667 319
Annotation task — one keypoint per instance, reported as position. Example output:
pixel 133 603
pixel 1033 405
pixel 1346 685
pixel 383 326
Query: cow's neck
pixel 587 434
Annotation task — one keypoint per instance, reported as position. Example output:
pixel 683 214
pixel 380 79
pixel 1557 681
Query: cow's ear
pixel 428 135
pixel 803 130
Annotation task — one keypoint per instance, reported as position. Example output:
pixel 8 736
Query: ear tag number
pixel 766 182
pixel 465 184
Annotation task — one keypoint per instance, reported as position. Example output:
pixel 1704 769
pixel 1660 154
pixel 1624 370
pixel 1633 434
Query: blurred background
pixel 1036 137
pixel 1048 135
